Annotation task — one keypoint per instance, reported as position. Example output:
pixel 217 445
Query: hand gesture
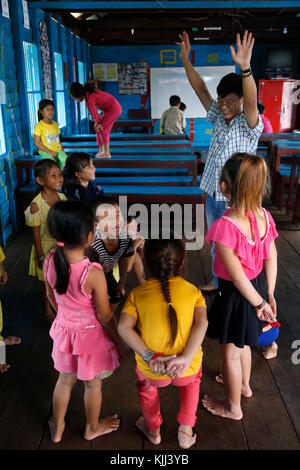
pixel 3 277
pixel 178 366
pixel 159 364
pixel 184 44
pixel 138 243
pixel 98 127
pixel 266 314
pixel 242 56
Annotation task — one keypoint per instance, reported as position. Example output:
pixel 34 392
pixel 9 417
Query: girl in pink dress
pixel 111 110
pixel 84 332
pixel 246 266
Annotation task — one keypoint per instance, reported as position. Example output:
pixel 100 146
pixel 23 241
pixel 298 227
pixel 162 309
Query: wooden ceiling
pixel 138 26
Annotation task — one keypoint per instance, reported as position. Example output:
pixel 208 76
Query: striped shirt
pixel 107 259
pixel 226 140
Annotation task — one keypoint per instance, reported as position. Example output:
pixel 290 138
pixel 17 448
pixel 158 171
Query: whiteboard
pixel 168 81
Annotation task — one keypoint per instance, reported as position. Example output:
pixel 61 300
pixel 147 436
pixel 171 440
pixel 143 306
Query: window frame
pixel 59 89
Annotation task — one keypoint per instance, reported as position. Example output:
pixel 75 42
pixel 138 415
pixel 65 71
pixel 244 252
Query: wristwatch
pixel 147 356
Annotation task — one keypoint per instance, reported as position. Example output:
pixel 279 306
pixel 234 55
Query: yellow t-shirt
pixel 147 304
pixel 49 135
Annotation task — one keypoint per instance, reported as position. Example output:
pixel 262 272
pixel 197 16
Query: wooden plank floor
pixel 271 417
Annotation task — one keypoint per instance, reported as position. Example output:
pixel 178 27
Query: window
pixel 81 78
pixel 33 86
pixel 60 93
pixel 2 137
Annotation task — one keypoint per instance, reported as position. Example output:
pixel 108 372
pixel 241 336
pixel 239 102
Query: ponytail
pixel 165 257
pixel 62 269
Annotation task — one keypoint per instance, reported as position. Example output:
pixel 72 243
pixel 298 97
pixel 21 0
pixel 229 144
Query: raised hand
pixel 242 56
pixel 184 44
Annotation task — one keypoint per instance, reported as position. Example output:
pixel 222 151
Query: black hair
pixel 182 106
pixel 164 257
pixel 231 83
pixel 77 90
pixel 261 108
pixel 174 100
pixel 69 222
pixel 42 105
pixel 42 167
pixel 75 163
pixel 103 200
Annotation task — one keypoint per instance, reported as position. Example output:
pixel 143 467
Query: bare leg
pixel 186 438
pixel 246 371
pixel 152 436
pixel 92 402
pixel 232 376
pixel 61 398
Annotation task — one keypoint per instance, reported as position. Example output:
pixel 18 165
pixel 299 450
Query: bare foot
pixel 4 367
pixel 246 390
pixel 217 407
pixel 56 432
pixel 102 155
pixel 270 351
pixel 186 438
pixel 105 426
pixel 11 340
pixel 153 436
pixel 208 288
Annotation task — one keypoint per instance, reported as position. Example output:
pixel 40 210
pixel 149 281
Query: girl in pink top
pixel 246 266
pixel 84 332
pixel 111 110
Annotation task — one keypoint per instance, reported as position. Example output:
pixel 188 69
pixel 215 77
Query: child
pixel 138 243
pixel 236 121
pixel 46 134
pixel 79 173
pixel 112 245
pixel 246 266
pixel 111 110
pixel 50 179
pixel 170 314
pixel 268 129
pixel 9 340
pixel 172 120
pixel 84 332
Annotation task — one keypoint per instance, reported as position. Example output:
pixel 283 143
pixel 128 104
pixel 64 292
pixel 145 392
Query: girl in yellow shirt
pixel 170 314
pixel 46 134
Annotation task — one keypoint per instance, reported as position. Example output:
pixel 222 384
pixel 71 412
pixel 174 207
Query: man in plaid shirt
pixel 236 120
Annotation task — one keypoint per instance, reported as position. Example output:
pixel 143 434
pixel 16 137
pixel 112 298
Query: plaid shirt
pixel 226 140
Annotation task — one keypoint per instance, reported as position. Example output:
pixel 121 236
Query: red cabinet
pixel 277 97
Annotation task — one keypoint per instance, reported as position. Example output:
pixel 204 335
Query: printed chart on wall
pixel 169 81
pixel 132 79
pixel 106 72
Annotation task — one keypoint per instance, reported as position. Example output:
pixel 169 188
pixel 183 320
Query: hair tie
pixel 169 303
pixel 60 244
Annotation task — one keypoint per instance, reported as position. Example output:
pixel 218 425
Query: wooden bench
pixel 131 123
pixel 146 180
pixel 132 144
pixel 134 151
pixel 122 136
pixel 274 136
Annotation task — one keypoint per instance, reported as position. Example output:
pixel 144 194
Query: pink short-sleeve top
pixel 250 253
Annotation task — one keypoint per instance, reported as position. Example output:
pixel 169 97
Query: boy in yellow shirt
pixel 46 134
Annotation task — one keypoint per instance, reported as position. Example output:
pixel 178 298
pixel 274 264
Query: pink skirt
pixel 84 353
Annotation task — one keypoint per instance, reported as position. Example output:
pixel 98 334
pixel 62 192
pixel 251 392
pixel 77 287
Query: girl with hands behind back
pixel 246 266
pixel 170 314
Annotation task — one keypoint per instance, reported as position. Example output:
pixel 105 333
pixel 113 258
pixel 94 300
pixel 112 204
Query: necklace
pixel 46 199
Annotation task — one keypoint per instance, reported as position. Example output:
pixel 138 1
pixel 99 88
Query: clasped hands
pixel 174 366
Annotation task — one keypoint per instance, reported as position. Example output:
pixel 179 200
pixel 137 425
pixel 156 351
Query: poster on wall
pixel 105 72
pixel 5 9
pixel 25 14
pixel 132 79
pixel 46 63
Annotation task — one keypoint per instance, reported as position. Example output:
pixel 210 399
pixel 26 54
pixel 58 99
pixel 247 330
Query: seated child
pixel 182 108
pixel 79 173
pixel 46 134
pixel 172 120
pixel 112 245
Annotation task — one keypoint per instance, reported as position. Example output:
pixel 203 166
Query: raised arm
pixel 242 58
pixel 194 78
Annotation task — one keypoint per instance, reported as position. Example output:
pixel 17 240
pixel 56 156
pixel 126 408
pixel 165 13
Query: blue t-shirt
pixel 77 192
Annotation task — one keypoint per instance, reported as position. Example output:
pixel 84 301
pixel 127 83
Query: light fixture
pixel 132 31
pixel 284 31
pixel 76 15
pixel 212 28
pixel 201 39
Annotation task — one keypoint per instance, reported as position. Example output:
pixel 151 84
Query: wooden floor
pixel 271 417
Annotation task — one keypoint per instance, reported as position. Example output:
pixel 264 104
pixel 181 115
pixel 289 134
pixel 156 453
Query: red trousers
pixel 149 399
pixel 107 121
